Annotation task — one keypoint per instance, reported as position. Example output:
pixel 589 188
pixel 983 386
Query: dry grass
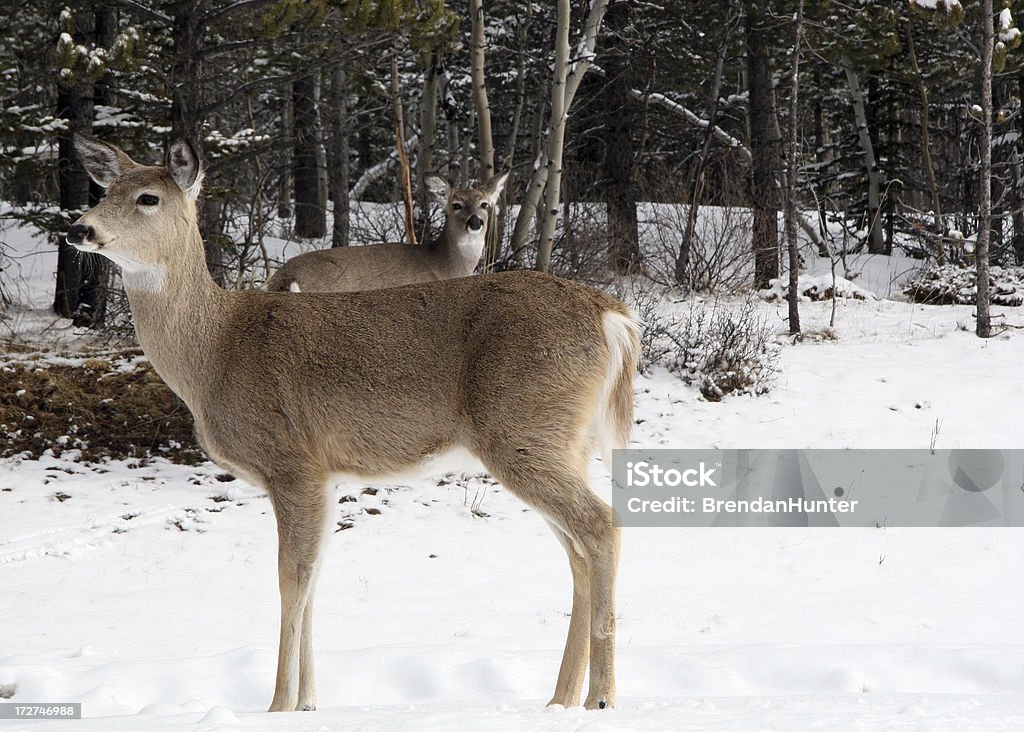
pixel 101 407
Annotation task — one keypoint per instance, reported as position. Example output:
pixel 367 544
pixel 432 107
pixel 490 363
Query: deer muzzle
pixel 79 233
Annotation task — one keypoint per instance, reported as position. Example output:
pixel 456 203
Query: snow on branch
pixel 374 173
pixel 950 6
pixel 673 106
pixel 1008 32
pixel 585 55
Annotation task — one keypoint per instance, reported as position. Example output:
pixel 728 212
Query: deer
pixel 454 253
pixel 522 372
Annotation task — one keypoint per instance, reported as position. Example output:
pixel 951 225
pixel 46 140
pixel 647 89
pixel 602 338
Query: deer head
pixel 467 210
pixel 147 211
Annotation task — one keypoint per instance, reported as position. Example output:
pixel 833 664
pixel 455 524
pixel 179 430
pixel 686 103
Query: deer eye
pixel 148 199
pixel 484 204
pixel 456 207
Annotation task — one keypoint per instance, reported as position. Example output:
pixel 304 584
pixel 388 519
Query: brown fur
pixel 455 253
pixel 289 389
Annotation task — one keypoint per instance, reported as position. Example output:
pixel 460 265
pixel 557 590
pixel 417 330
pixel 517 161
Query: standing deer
pixel 522 370
pixel 352 269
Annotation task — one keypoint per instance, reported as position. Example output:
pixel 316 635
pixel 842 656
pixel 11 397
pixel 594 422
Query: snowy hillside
pixel 149 594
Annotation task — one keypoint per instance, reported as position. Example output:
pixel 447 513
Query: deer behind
pixel 455 253
pixel 288 391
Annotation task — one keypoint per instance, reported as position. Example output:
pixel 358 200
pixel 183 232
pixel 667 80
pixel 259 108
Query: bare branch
pixel 146 11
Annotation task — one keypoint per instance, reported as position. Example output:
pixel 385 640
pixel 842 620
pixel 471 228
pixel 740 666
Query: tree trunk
pixel 534 191
pixel 515 257
pixel 876 245
pixel 92 297
pixel 338 168
pixel 696 183
pixel 403 156
pixel 286 192
pixel 620 150
pixel 480 101
pixel 186 121
pixel 74 104
pixel 542 174
pixel 984 328
pixel 428 138
pixel 483 121
pixel 792 158
pixel 938 228
pixel 310 216
pixel 556 139
pixel 764 156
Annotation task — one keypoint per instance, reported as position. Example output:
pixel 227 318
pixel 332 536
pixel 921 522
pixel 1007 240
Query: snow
pixel 1008 33
pixel 149 594
pixel 948 5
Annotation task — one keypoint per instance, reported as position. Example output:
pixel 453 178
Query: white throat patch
pixel 472 244
pixel 137 275
pixel 150 279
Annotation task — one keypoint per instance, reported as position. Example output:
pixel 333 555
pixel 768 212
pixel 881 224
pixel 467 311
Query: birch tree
pixel 483 120
pixel 875 243
pixel 565 83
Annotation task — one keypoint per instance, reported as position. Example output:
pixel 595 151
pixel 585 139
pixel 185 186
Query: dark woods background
pixel 295 105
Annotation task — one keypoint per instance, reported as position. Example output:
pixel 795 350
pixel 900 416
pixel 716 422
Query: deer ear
pixel 183 163
pixel 494 187
pixel 438 187
pixel 102 162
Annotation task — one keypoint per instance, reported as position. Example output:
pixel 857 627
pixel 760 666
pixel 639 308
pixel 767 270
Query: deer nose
pixel 475 223
pixel 79 233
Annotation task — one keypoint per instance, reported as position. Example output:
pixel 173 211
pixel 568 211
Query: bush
pixel 955 285
pixel 719 349
pixel 723 350
pixel 814 288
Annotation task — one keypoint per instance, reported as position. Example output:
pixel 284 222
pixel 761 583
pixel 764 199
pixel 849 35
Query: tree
pixel 310 195
pixel 984 324
pixel 792 157
pixel 564 85
pixel 764 155
pixel 86 49
pixel 75 105
pixel 695 186
pixel 485 169
pixel 619 159
pixel 338 167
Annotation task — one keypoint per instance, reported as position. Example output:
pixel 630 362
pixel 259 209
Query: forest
pixel 777 233
pixel 842 126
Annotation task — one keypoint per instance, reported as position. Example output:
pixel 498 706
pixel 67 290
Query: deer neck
pixel 458 252
pixel 178 312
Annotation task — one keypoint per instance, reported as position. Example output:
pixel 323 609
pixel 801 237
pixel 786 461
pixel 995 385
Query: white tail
pixel 455 253
pixel 520 369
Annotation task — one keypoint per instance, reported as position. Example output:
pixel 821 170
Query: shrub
pixel 814 288
pixel 718 348
pixel 724 350
pixel 955 285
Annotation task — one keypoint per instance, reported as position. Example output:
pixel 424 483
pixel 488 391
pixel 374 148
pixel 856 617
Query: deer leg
pixel 307 669
pixel 577 644
pixel 301 511
pixel 601 544
pixel 558 488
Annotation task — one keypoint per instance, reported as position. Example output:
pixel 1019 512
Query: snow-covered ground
pixel 150 594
